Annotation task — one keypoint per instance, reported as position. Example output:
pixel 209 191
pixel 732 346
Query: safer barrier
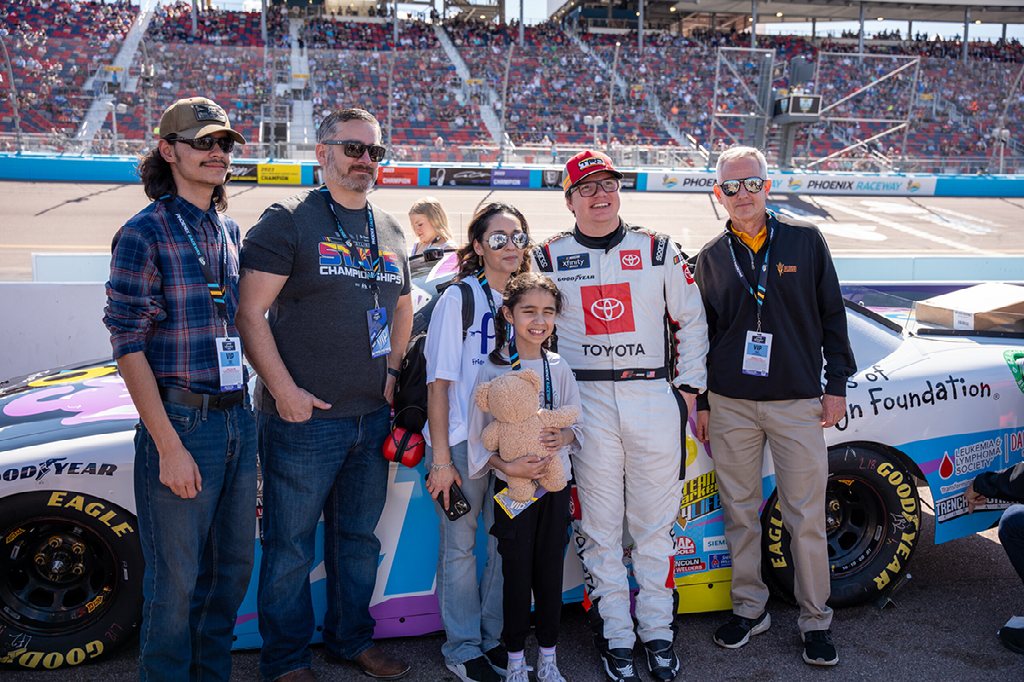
pixel 122 169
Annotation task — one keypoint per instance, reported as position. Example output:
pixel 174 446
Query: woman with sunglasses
pixel 471 611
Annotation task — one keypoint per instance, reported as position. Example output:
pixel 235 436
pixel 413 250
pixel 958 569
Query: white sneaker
pixel 518 673
pixel 547 669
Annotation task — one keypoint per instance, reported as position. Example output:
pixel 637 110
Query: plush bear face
pixel 513 397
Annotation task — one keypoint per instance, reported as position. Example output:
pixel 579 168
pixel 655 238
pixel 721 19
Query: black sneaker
pixel 1012 634
pixel 662 660
pixel 475 670
pixel 738 630
pixel 498 658
pixel 618 663
pixel 819 649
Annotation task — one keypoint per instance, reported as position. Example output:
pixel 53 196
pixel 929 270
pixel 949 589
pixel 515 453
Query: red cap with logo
pixel 584 164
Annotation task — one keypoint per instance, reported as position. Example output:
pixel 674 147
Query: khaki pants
pixel 738 430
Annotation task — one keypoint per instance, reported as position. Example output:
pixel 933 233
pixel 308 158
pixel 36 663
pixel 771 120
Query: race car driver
pixel 620 282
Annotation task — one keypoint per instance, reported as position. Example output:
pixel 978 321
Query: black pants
pixel 532 549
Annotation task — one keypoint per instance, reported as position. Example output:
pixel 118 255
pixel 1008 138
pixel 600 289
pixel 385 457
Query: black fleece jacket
pixel 803 310
pixel 1006 485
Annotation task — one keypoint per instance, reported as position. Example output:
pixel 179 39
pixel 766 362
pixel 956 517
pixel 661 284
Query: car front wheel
pixel 71 571
pixel 873 523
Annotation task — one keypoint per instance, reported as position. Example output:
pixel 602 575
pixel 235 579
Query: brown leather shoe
pixel 378 664
pixel 301 675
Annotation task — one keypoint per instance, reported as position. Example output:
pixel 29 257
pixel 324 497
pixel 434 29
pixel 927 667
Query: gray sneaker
pixel 547 669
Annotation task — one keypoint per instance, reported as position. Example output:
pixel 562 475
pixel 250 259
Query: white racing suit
pixel 612 332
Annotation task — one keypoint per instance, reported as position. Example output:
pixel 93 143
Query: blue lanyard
pixel 762 280
pixel 215 287
pixel 374 251
pixel 513 356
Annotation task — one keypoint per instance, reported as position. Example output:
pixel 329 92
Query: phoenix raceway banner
pixel 803 183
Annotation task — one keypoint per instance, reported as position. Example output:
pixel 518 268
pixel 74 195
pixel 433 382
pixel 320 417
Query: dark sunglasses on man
pixel 731 188
pixel 589 189
pixel 205 144
pixel 498 240
pixel 355 150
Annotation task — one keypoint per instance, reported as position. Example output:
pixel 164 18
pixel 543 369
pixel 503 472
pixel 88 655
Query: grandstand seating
pixel 553 84
pixel 53 48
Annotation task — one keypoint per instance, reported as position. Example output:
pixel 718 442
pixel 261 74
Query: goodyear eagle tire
pixel 873 520
pixel 70 579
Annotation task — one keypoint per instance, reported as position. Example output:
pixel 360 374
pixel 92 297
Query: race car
pixel 931 405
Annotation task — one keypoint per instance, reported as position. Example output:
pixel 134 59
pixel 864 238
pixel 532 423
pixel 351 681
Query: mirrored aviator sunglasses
pixel 731 188
pixel 355 150
pixel 498 240
pixel 205 144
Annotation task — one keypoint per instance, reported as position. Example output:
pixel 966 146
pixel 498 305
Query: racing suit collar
pixel 607 242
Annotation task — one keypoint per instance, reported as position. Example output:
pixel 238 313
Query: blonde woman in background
pixel 430 224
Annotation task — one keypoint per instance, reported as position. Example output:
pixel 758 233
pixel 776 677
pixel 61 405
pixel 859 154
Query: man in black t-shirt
pixel 332 272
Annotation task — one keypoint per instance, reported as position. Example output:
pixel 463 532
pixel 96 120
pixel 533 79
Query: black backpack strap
pixel 468 306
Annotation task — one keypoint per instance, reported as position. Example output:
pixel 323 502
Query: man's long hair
pixel 158 180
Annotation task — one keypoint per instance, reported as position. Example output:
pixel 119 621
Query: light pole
pixel 595 121
pixel 14 95
pixel 148 74
pixel 611 92
pixel 114 111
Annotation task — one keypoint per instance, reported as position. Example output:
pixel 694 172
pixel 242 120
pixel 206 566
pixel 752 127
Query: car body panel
pixel 71 430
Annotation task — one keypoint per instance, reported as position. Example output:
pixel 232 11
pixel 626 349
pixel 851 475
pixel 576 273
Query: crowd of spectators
pixel 54 46
pixel 173 23
pixel 334 34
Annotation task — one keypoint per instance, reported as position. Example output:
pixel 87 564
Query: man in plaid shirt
pixel 171 303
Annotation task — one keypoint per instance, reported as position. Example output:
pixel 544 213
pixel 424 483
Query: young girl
pixel 531 545
pixel 430 224
pixel 470 610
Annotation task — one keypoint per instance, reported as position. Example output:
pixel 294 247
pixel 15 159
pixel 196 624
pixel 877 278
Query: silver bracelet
pixel 440 468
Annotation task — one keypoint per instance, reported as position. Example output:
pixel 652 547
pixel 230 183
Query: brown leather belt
pixel 223 401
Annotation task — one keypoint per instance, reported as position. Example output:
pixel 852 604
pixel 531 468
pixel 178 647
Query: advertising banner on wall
pixel 280 174
pixel 244 172
pixel 391 175
pixel 802 183
pixel 460 176
pixel 510 177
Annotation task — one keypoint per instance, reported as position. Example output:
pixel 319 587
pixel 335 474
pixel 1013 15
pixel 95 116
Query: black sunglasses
pixel 355 150
pixel 731 188
pixel 205 144
pixel 498 240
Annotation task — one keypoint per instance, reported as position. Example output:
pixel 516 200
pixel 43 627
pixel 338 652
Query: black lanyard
pixel 216 288
pixel 352 249
pixel 513 356
pixel 762 280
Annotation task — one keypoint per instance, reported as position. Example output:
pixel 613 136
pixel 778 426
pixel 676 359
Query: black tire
pixel 71 572
pixel 873 518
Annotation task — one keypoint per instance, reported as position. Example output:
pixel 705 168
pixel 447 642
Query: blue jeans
pixel 199 551
pixel 470 608
pixel 1011 534
pixel 334 466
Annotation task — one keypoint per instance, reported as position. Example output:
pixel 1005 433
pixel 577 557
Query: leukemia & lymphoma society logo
pixel 607 309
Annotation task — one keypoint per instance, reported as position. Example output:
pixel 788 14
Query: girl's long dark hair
pixel 469 262
pixel 518 287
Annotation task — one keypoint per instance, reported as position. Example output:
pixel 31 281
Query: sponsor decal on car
pixel 970 459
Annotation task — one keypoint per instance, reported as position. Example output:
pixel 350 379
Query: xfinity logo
pixel 607 309
pixel 574 262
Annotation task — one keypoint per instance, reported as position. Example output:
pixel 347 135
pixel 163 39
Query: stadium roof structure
pixel 781 11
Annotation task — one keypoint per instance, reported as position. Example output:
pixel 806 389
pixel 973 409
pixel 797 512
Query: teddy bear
pixel 514 400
